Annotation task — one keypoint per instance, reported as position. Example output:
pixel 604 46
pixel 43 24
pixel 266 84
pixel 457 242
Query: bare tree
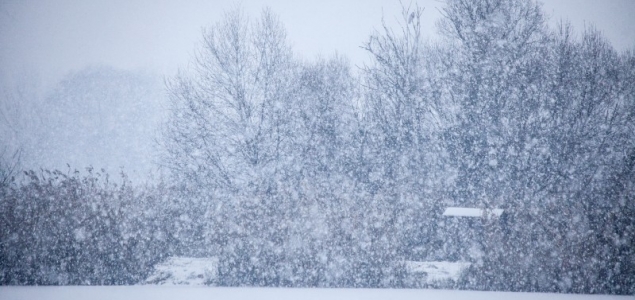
pixel 226 136
pixel 10 165
pixel 226 115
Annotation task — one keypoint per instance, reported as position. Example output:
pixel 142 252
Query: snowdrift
pixel 184 271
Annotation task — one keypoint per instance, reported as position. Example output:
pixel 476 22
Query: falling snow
pixel 500 158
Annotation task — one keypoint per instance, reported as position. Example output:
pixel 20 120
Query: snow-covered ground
pixel 154 292
pixel 202 271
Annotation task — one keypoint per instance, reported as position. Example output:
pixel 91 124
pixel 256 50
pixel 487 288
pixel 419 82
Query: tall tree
pixel 228 132
pixel 492 78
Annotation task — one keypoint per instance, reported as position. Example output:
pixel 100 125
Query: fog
pixel 45 41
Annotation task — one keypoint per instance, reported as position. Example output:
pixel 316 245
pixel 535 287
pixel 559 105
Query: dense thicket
pixel 64 228
pixel 297 173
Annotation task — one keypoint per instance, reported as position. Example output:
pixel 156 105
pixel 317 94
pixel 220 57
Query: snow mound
pixel 471 212
pixel 436 271
pixel 184 271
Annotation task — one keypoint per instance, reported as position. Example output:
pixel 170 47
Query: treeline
pixel 308 173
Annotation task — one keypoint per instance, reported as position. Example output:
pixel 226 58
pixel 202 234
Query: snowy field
pixel 181 292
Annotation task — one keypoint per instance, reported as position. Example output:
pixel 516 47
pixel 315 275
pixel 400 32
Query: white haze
pixel 42 42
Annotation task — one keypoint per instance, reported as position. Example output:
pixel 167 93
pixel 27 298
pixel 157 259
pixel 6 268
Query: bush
pixel 62 228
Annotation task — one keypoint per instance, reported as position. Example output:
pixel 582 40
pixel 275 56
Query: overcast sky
pixel 48 38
